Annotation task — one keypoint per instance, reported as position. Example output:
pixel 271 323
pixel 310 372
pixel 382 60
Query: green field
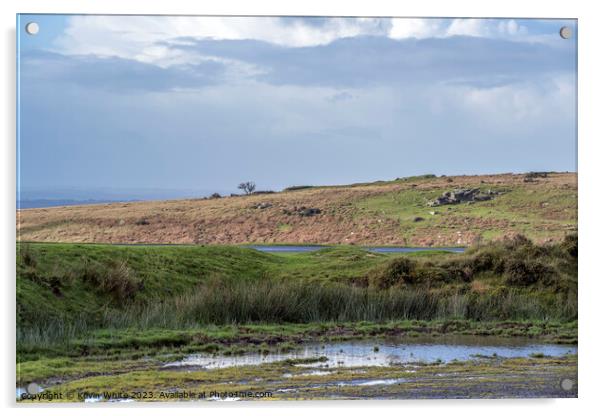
pixel 517 209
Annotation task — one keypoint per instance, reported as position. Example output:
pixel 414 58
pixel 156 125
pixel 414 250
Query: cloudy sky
pixel 198 104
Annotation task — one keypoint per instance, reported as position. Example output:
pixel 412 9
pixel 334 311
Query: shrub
pixel 417 177
pixel 525 273
pixel 517 241
pixel 396 271
pixel 27 255
pixel 488 259
pixel 430 275
pixel 570 245
pixel 297 188
pixel 459 272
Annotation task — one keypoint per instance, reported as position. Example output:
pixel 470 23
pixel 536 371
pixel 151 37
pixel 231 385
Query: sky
pixel 167 106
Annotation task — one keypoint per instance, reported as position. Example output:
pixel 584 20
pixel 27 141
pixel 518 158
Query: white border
pixel 590 68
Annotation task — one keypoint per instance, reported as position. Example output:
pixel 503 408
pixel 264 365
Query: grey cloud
pixel 346 63
pixel 369 61
pixel 114 73
pixel 340 96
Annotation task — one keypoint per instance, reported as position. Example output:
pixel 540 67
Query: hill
pixel 416 211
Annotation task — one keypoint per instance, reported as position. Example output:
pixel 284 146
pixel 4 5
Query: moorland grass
pixel 64 291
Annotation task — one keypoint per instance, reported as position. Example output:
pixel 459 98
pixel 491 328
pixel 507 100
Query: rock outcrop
pixel 303 211
pixel 463 195
pixel 262 205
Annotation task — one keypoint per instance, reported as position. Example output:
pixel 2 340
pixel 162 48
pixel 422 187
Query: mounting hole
pixel 566 32
pixel 33 388
pixel 32 28
pixel 567 384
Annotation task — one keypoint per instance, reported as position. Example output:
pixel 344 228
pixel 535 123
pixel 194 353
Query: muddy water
pixel 406 352
pixel 387 352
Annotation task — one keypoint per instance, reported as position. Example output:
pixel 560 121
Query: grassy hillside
pixel 381 213
pixel 65 289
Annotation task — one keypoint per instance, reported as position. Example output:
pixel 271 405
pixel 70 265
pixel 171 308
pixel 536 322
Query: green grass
pixel 61 289
pixel 56 286
pixel 65 291
pixel 57 281
pixel 285 228
pixel 523 209
pixel 69 279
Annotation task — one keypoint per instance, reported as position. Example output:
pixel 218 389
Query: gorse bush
pixel 395 272
pixel 403 271
pixel 525 273
pixel 570 245
pixel 517 260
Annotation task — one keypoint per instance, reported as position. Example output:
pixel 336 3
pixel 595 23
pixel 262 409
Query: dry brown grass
pixel 479 286
pixel 233 220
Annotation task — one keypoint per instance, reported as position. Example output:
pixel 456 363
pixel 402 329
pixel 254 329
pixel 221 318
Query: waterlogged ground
pixel 392 368
pixel 361 353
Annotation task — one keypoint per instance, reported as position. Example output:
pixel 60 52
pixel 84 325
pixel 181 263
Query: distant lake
pixel 48 203
pixel 303 249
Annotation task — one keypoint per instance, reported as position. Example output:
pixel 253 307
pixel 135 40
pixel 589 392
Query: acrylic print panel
pixel 282 208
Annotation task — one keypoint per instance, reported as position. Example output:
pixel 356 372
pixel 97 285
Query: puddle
pixel 372 382
pixel 388 352
pixel 226 399
pixel 21 391
pixel 309 373
pixel 356 383
pixel 101 399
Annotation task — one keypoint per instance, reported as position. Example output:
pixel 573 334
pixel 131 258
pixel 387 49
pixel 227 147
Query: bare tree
pixel 247 187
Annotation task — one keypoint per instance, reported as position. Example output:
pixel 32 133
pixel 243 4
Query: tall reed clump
pixel 232 302
pixel 115 279
pixel 48 335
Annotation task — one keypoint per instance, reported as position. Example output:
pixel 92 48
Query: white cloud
pixel 442 28
pixel 488 28
pixel 403 28
pixel 548 101
pixel 131 36
pixel 468 27
pixel 149 38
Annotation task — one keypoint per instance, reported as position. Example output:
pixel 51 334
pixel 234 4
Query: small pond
pixel 387 352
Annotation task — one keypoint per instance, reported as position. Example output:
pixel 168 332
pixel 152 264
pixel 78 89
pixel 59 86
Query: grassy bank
pixel 65 291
